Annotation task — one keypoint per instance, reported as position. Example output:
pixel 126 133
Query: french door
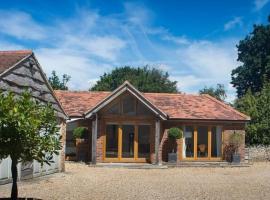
pixel 202 143
pixel 127 143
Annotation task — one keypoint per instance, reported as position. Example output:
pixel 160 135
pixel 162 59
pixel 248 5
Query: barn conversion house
pixel 127 125
pixel 20 70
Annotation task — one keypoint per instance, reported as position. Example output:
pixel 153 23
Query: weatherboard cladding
pixel 19 70
pixel 176 106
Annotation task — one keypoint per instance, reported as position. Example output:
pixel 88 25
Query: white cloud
pixel 20 25
pixel 178 40
pixel 106 47
pixel 67 61
pixel 4 45
pixel 209 59
pixel 137 14
pixel 259 4
pixel 89 44
pixel 189 82
pixel 237 21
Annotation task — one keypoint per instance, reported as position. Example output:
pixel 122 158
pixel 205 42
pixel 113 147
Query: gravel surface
pixel 83 182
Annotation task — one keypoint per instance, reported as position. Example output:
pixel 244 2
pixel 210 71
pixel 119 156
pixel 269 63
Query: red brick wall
pixel 167 146
pixel 100 143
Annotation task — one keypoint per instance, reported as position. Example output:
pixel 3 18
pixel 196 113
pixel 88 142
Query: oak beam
pixel 157 139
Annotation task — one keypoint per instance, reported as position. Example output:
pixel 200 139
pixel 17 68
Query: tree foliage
pixel 254 54
pixel 145 79
pixel 58 84
pixel 257 107
pixel 219 92
pixel 28 131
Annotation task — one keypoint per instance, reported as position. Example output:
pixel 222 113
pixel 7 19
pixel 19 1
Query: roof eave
pixel 49 86
pixel 211 120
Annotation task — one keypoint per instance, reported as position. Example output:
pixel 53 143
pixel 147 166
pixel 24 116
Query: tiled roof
pixel 189 106
pixel 76 103
pixel 176 106
pixel 9 58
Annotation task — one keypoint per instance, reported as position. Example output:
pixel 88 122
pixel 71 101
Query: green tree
pixel 219 92
pixel 254 54
pixel 58 84
pixel 257 107
pixel 28 131
pixel 145 79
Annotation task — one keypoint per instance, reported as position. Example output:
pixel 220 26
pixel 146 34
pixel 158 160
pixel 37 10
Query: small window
pixel 129 105
pixel 114 109
pixel 143 110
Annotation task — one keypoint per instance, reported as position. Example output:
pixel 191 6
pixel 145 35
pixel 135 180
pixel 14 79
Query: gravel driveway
pixel 83 182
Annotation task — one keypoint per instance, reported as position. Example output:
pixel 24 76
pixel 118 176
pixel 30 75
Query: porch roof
pixel 176 106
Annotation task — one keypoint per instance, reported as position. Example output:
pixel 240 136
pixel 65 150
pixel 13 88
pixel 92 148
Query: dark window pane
pixel 127 141
pixel 216 144
pixel 144 141
pixel 114 109
pixel 112 141
pixel 143 110
pixel 189 142
pixel 202 149
pixel 129 105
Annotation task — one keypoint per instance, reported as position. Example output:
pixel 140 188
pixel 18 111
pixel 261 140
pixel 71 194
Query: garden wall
pixel 258 153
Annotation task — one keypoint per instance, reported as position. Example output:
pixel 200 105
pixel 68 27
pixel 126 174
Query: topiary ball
pixel 175 133
pixel 79 132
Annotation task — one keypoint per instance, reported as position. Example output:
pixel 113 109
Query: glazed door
pixel 127 143
pixel 128 133
pixel 111 147
pixel 202 143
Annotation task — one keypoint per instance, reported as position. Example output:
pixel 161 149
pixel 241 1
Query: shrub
pixel 175 133
pixel 236 139
pixel 80 133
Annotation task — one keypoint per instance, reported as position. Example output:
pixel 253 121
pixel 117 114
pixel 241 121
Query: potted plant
pixel 174 134
pixel 236 140
pixel 80 135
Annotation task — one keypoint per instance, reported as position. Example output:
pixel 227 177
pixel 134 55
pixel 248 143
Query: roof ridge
pixel 176 94
pixel 226 106
pixel 80 91
pixel 16 51
pixel 157 93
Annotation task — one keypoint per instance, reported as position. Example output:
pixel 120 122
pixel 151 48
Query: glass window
pixel 128 141
pixel 114 109
pixel 142 109
pixel 189 142
pixel 144 141
pixel 111 141
pixel 202 149
pixel 216 141
pixel 129 105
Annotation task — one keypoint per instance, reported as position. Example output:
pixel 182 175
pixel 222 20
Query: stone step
pixel 206 164
pixel 130 165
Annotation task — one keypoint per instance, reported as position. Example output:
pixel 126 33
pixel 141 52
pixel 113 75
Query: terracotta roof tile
pixel 76 103
pixel 188 106
pixel 9 58
pixel 176 106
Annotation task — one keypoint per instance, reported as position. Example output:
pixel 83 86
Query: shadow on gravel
pixel 21 199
